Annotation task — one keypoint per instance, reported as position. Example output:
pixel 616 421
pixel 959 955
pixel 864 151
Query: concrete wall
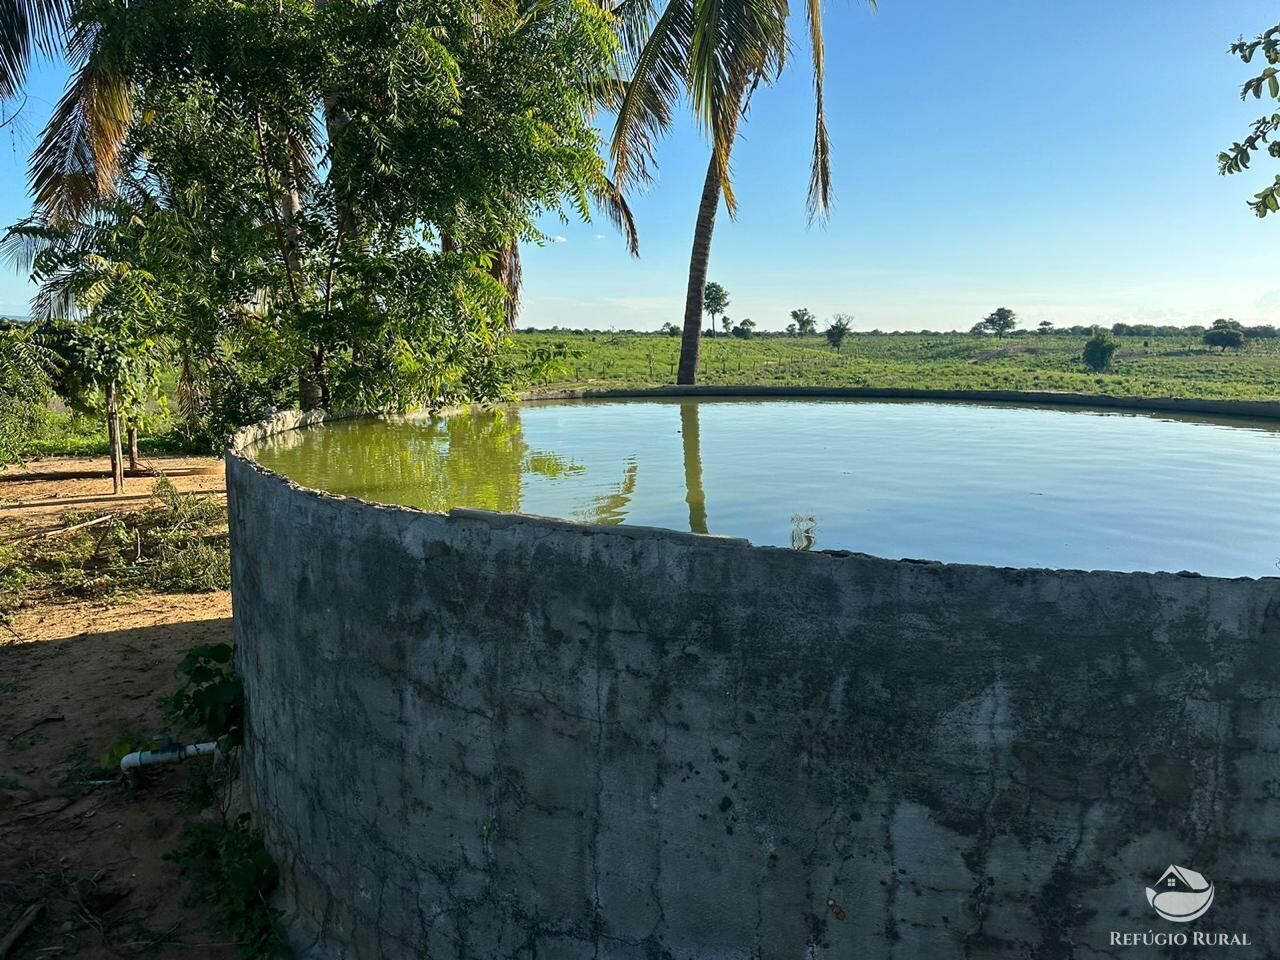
pixel 481 736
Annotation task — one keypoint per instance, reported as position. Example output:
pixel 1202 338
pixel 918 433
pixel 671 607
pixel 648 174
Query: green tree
pixel 1045 326
pixel 715 301
pixel 718 55
pixel 806 323
pixel 112 309
pixel 1225 334
pixel 839 328
pixel 727 324
pixel 745 329
pixel 1000 321
pixel 1099 349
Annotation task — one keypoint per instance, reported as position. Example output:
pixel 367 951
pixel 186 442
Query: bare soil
pixel 76 679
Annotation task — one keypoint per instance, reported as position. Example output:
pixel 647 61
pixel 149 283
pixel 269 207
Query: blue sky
pixel 1056 158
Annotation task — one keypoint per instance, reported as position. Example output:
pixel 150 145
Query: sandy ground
pixel 34 495
pixel 74 679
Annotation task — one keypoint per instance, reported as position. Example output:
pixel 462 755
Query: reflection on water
pixel 474 461
pixel 611 508
pixel 958 482
pixel 691 451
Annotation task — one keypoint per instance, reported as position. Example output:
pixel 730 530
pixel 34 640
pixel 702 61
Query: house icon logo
pixel 1181 895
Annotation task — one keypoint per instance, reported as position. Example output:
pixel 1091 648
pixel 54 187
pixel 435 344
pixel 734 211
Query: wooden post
pixel 133 447
pixel 113 439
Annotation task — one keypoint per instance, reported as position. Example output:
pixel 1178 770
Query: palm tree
pixel 76 159
pixel 717 52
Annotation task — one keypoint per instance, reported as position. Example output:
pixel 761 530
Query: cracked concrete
pixel 484 736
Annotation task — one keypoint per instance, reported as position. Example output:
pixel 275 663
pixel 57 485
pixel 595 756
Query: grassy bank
pixel 1150 367
pixel 62 434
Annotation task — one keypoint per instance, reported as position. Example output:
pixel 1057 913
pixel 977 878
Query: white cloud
pixel 558 239
pixel 601 236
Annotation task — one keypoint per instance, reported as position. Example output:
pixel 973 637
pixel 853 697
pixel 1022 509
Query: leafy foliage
pixel 715 301
pixel 1227 334
pixel 210 696
pixel 1237 158
pixel 1000 321
pixel 232 873
pixel 1098 350
pixel 838 330
pixel 26 366
pixel 806 323
pixel 307 203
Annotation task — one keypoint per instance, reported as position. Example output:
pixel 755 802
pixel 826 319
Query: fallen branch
pixel 74 526
pixel 18 929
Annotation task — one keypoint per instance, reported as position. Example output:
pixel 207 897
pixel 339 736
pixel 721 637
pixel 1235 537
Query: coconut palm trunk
pixel 691 338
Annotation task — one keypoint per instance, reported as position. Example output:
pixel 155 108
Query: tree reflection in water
pixel 692 447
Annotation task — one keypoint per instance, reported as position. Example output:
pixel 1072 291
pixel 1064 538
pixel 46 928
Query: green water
pixel 1011 486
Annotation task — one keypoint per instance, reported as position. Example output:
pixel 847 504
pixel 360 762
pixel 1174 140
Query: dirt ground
pixel 77 678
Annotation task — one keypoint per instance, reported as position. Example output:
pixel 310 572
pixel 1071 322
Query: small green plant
pixel 210 696
pixel 1098 350
pixel 82 767
pixel 544 362
pixel 232 873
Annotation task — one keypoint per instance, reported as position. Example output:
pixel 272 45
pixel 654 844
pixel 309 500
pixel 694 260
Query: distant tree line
pixel 809 328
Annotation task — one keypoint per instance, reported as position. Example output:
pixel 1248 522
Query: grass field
pixel 1154 367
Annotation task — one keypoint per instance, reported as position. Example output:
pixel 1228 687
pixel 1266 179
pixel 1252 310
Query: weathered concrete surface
pixel 495 737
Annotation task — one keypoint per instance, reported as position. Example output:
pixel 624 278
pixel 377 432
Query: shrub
pixel 210 696
pixel 231 871
pixel 1099 349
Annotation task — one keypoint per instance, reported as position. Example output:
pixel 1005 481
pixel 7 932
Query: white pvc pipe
pixel 171 754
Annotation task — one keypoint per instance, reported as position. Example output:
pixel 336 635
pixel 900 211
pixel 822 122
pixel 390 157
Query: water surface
pixel 970 483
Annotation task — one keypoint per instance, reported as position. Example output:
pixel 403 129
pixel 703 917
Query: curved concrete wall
pixel 485 736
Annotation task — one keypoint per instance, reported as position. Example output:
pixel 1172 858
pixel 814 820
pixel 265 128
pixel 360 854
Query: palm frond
pixel 27 26
pixel 611 198
pixel 820 166
pixel 659 72
pixel 25 241
pixel 506 269
pixel 820 169
pixel 739 44
pixel 77 158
